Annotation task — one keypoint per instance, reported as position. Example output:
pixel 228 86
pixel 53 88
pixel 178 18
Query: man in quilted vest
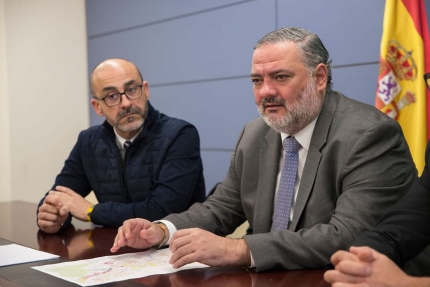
pixel 139 162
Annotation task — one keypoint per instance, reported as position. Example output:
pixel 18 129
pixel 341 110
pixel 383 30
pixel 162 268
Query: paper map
pixel 115 268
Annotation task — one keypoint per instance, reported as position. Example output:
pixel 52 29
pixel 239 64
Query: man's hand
pixel 197 245
pixel 365 267
pixel 76 204
pixel 137 233
pixel 52 214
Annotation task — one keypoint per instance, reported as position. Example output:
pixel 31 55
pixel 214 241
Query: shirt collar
pixel 122 140
pixel 304 136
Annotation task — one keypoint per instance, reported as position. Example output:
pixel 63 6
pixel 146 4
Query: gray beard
pixel 299 113
pixel 132 124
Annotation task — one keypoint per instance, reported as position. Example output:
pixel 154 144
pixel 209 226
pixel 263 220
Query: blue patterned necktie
pixel 126 145
pixel 284 198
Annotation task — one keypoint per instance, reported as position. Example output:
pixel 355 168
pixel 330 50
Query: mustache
pixel 128 111
pixel 272 100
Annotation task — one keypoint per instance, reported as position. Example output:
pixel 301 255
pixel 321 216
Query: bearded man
pixel 343 163
pixel 139 162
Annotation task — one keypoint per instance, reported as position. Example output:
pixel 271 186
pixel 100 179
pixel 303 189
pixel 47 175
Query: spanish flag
pixel 405 58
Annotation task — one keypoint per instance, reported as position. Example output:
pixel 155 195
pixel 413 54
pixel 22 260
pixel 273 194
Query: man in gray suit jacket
pixel 353 164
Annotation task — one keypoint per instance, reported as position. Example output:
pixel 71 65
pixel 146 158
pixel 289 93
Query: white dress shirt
pixel 120 141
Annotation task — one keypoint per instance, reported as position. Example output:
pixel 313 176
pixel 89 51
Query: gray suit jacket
pixel 358 165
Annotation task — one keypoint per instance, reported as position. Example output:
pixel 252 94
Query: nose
pixel 125 101
pixel 267 89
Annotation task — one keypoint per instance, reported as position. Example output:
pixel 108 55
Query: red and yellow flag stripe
pixel 405 58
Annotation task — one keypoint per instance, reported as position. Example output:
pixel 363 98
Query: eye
pixel 112 97
pixel 131 90
pixel 255 81
pixel 281 77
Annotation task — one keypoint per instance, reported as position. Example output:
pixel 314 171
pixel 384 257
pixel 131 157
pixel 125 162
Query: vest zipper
pixel 123 179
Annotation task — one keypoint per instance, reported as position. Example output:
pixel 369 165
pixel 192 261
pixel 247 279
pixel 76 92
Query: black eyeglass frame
pixel 120 96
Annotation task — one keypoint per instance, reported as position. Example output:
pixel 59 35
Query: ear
pixel 321 74
pixel 146 89
pixel 97 108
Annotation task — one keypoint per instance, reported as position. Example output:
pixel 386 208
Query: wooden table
pixel 84 240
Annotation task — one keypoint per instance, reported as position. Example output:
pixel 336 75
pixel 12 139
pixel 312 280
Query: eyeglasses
pixel 427 80
pixel 131 93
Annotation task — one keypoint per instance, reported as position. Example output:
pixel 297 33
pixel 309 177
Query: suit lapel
pixel 318 140
pixel 268 171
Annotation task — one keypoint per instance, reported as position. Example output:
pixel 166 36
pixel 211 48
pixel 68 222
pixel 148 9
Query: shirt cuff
pixel 172 229
pixel 252 261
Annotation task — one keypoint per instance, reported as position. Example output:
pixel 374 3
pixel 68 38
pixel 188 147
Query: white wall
pixel 44 92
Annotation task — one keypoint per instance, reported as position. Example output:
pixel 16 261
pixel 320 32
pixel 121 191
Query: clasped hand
pixel 187 245
pixel 56 208
pixel 365 267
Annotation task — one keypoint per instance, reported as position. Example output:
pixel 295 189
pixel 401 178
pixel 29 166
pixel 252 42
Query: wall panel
pixel 357 82
pixel 218 109
pixel 207 45
pixel 218 167
pixel 350 30
pixel 108 16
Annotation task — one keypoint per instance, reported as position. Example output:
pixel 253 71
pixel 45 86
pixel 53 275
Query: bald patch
pixel 113 63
